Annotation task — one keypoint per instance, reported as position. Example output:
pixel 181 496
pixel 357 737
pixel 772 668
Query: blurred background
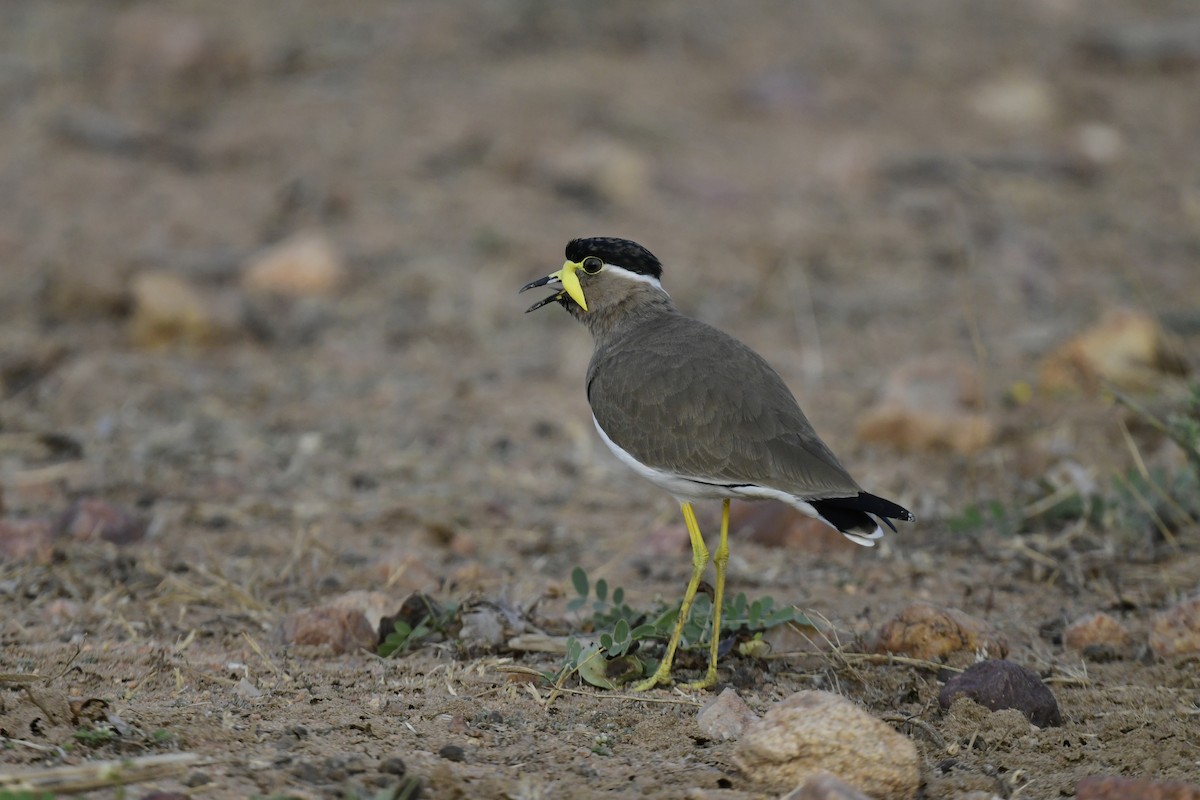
pixel 259 266
pixel 273 245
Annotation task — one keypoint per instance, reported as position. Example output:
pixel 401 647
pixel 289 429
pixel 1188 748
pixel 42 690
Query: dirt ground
pixel 843 186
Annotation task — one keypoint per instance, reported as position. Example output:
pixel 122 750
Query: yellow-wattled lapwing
pixel 698 413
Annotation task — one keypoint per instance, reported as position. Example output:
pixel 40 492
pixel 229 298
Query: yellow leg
pixel 662 675
pixel 720 561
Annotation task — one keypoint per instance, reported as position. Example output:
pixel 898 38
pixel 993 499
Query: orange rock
pixel 932 633
pixel 25 538
pixel 810 733
pixel 774 524
pixel 306 265
pixel 341 630
pixel 167 310
pixel 1126 348
pixel 1116 787
pixel 1176 631
pixel 932 403
pixel 1096 630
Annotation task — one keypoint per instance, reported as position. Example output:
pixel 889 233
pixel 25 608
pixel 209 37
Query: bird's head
pixel 599 274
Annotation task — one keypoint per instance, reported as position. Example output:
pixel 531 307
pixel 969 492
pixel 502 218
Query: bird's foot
pixel 707 682
pixel 661 677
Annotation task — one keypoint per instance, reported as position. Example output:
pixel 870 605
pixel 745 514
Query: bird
pixel 699 414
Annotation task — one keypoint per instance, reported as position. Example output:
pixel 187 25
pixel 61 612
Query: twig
pixel 633 697
pixel 266 659
pixel 98 774
pixel 20 677
pixel 919 723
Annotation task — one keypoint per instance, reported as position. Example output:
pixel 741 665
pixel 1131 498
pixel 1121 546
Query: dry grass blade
pixel 20 677
pixel 917 722
pixel 98 774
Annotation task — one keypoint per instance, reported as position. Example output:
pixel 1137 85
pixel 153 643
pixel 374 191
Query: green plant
pixel 418 620
pixel 614 654
pixel 94 737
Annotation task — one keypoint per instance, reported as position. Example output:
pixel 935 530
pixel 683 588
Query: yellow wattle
pixel 570 282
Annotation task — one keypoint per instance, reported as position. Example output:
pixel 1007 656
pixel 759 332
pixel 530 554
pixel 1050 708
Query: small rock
pixel 373 605
pixel 1126 348
pixel 483 627
pixel 393 765
pixel 1096 632
pixel 599 170
pixel 824 786
pixel 196 778
pixel 774 524
pixel 931 404
pixel 1098 142
pixel 168 310
pixel 306 265
pixel 998 684
pixel 96 292
pixel 1017 101
pixel 339 629
pixel 453 752
pixel 1161 44
pixel 725 717
pixel 812 732
pixel 88 519
pixel 1176 631
pixel 931 633
pixel 26 538
pixel 247 690
pixel 1115 787
pixel 170 62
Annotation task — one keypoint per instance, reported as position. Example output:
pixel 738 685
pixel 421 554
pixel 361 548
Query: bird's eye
pixel 591 265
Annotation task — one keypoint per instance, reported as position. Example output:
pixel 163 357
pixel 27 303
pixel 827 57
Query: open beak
pixel 566 280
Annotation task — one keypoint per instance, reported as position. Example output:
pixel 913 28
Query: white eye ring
pixel 591 265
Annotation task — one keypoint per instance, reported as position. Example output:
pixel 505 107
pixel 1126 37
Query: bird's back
pixel 682 396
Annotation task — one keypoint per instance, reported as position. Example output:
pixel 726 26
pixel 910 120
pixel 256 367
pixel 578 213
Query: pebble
pixel 305 265
pixel 26 538
pixel 373 605
pixel 725 717
pixel 1126 348
pixel 1096 634
pixel 1016 101
pixel 814 732
pixel 1176 631
pixel 997 684
pixel 453 752
pixel 932 633
pixel 1156 44
pixel 598 169
pixel 172 63
pixel 824 786
pixel 394 765
pixel 168 310
pixel 931 404
pixel 1115 787
pixel 340 630
pixel 89 519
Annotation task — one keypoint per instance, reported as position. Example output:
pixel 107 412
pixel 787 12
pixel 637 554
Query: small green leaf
pixel 602 590
pixel 621 632
pixel 579 580
pixel 606 641
pixel 644 631
pixel 618 596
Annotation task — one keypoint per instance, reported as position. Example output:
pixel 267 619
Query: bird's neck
pixel 610 321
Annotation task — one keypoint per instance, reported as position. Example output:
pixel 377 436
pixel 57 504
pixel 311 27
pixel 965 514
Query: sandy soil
pixel 844 187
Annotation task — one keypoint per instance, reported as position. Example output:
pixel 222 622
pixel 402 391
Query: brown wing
pixel 682 396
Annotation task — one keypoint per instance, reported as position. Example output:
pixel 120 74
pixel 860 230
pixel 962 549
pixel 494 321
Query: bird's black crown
pixel 618 252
